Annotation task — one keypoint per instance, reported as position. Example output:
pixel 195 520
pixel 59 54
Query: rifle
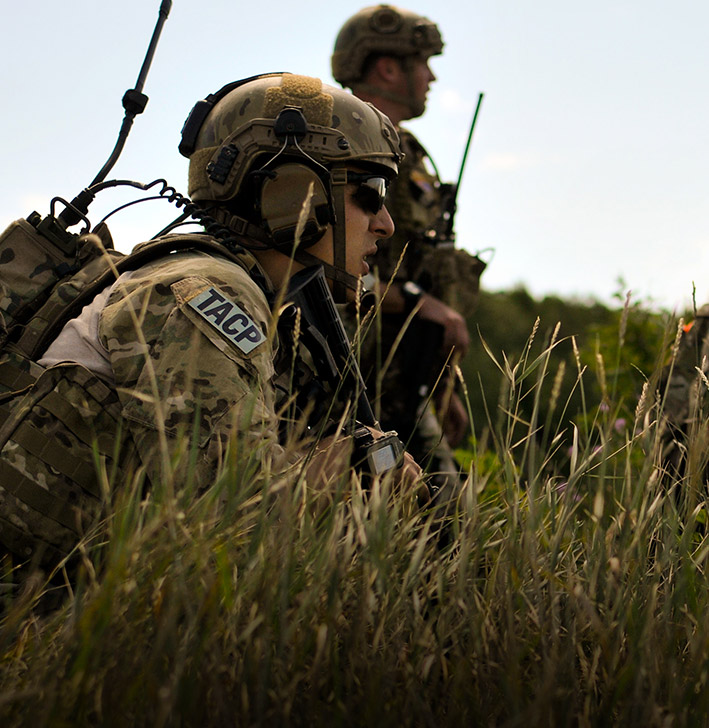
pixel 324 335
pixel 444 233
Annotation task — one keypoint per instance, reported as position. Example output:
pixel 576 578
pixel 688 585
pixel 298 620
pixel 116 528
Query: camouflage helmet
pixel 250 119
pixel 287 143
pixel 381 29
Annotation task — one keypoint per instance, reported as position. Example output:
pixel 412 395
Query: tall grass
pixel 569 589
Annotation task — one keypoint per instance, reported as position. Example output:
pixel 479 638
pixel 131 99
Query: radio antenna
pixel 134 103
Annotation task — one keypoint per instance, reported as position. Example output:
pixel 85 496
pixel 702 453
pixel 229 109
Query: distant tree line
pixel 619 346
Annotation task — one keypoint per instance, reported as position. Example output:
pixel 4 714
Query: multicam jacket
pixel 181 346
pixel 414 253
pixel 416 204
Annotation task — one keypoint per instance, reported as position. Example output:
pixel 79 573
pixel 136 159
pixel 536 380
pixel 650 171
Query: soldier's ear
pixel 388 68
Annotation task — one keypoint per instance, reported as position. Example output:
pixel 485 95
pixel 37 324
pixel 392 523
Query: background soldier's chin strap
pixel 416 106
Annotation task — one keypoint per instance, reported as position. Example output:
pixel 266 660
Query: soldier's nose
pixel 382 225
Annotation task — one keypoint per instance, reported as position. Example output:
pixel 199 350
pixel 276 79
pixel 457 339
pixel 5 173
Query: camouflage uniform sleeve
pixel 189 345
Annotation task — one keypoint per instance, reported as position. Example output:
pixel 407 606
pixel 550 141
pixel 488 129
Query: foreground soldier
pixel 382 54
pixel 178 367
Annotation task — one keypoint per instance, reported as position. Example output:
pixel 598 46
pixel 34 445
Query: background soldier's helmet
pixel 381 29
pixel 254 120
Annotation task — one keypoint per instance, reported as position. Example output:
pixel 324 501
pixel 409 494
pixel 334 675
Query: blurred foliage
pixel 504 321
pixel 621 345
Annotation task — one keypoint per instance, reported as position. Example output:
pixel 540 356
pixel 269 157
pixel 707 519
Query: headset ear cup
pixel 283 197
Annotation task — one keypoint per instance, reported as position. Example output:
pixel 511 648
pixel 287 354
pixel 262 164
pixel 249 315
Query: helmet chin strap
pixel 415 107
pixel 244 230
pixel 240 227
pixel 338 181
pixel 337 270
pixel 341 280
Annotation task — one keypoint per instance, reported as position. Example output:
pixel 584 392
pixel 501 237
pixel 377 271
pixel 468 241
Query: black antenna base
pixel 134 102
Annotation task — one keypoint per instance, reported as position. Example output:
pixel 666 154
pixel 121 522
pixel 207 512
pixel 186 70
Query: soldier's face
pixel 422 78
pixel 364 228
pixel 413 83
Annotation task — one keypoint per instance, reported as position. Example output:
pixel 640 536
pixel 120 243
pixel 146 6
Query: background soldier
pixel 382 54
pixel 186 347
pixel 683 388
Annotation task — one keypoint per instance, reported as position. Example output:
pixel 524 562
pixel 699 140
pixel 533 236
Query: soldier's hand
pixel 332 456
pixel 455 331
pixel 409 475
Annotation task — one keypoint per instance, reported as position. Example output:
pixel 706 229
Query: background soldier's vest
pixel 416 203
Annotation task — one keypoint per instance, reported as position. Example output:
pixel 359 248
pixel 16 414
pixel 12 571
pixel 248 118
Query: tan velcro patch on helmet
pixel 197 180
pixel 304 92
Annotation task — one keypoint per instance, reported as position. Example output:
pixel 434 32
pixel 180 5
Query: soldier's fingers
pixel 409 470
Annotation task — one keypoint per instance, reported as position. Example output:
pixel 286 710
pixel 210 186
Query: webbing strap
pixel 53 453
pixel 36 497
pixel 68 414
pixel 14 378
pixel 11 419
pixel 338 179
pixel 25 545
pixel 334 274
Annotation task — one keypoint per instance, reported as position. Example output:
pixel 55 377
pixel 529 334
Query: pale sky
pixel 589 160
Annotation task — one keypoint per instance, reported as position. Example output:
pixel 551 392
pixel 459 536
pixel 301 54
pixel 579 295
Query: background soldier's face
pixel 415 83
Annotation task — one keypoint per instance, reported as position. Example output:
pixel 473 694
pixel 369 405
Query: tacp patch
pixel 228 319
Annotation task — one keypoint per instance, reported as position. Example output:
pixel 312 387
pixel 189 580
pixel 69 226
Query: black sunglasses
pixel 371 190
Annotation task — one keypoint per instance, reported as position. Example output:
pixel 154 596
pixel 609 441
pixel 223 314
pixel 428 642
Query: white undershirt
pixel 79 340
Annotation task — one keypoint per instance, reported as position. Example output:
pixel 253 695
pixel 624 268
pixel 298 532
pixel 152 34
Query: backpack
pixel 48 275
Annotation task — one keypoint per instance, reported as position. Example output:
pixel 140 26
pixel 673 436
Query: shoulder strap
pixel 72 294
